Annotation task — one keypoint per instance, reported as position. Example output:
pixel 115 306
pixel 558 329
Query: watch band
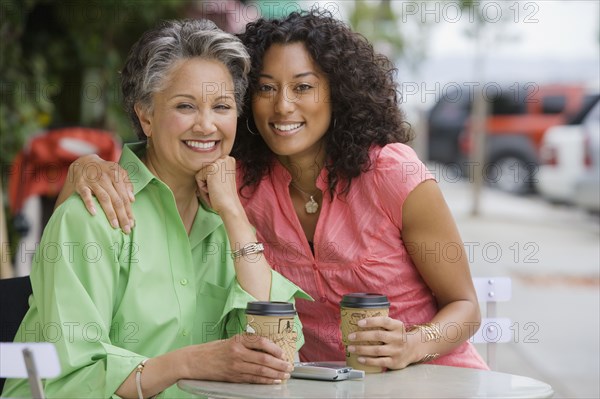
pixel 248 249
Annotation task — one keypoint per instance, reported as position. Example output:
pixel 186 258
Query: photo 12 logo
pixel 471 12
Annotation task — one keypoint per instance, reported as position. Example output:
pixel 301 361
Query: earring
pixel 250 130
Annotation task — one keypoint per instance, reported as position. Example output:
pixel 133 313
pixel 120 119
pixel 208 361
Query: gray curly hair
pixel 152 56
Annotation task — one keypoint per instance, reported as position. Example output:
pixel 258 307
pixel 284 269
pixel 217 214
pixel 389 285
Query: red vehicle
pixel 515 127
pixel 37 175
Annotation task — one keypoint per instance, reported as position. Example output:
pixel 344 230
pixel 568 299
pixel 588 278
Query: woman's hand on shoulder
pixel 243 358
pixel 92 176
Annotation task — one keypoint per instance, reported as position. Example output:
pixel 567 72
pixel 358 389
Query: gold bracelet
pixel 428 357
pixel 248 249
pixel 430 331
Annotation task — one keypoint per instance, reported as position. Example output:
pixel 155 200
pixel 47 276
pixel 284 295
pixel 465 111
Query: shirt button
pixel 185 333
pixel 183 281
pixel 322 299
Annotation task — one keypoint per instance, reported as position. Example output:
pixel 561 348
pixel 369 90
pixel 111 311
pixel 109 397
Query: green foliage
pixel 59 63
pixel 22 110
pixel 386 22
pixel 378 23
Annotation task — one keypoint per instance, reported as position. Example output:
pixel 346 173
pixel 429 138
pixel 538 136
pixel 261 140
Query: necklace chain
pixel 302 191
pixel 311 205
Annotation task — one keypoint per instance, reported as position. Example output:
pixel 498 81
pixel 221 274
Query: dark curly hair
pixel 363 92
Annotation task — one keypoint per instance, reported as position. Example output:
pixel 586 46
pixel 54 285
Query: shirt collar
pixel 206 220
pixel 131 161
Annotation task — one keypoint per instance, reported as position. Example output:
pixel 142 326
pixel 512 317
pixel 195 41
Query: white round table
pixel 420 381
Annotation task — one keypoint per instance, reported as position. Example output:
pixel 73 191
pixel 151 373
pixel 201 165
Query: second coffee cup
pixel 354 307
pixel 275 321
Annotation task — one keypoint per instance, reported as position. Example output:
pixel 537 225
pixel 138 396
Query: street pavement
pixel 552 254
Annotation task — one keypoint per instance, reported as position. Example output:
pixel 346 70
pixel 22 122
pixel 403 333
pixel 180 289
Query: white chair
pixel 31 360
pixel 493 329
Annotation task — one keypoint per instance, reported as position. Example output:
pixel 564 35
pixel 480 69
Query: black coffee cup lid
pixel 260 308
pixel 365 300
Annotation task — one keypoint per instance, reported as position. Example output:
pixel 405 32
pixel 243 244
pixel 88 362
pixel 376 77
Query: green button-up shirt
pixel 108 300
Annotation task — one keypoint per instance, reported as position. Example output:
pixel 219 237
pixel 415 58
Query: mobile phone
pixel 326 371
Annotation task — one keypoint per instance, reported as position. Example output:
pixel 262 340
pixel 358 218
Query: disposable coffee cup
pixel 353 308
pixel 275 321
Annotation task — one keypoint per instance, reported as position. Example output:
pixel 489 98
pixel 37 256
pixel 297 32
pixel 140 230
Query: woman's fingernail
pixel 114 223
pixel 352 337
pixel 286 376
pixel 362 323
pixel 132 222
pixel 127 229
pixel 131 196
pixel 351 348
pixel 361 359
pixel 93 211
pixel 276 381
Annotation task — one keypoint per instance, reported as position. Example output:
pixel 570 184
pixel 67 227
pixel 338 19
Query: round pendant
pixel 311 206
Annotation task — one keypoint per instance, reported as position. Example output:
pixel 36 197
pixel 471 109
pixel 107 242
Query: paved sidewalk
pixel 552 254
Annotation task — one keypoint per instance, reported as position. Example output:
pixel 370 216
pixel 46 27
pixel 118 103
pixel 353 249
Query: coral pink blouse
pixel 357 248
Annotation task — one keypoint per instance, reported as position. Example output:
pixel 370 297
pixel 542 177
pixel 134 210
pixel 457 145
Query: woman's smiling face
pixel 193 118
pixel 291 107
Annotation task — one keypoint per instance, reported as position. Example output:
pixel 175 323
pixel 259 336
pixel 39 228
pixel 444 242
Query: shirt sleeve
pixel 398 172
pixel 282 290
pixel 75 279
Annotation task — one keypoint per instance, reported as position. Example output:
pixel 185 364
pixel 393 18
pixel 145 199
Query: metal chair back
pixel 493 329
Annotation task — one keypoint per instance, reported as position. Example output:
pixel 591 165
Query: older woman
pixel 130 314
